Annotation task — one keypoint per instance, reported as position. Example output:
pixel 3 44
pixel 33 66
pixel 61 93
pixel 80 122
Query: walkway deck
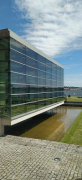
pixel 33 159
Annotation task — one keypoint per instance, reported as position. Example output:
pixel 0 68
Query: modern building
pixel 30 81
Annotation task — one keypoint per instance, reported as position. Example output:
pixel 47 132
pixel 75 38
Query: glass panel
pixel 48 69
pixel 41 96
pixel 32 106
pixel 54 77
pixel 18 88
pixel 41 81
pixel 54 65
pixel 58 84
pixel 41 66
pixel 31 80
pixel 54 83
pixel 31 71
pixel 54 94
pixel 48 102
pixel 4 66
pixel 17 56
pixel 58 99
pixel 31 62
pixel 54 71
pixel 48 82
pixel 18 78
pixel 41 74
pixel 18 99
pixel 17 46
pixel 4 99
pixel 2 88
pixel 16 67
pixel 48 95
pixel 4 77
pixel 41 58
pixel 48 63
pixel 18 110
pixel 5 88
pixel 32 97
pixel 58 78
pixel 32 89
pixel 42 89
pixel 54 100
pixel 4 43
pixel 30 53
pixel 48 89
pixel 4 55
pixel 41 104
pixel 25 108
pixel 5 111
pixel 48 76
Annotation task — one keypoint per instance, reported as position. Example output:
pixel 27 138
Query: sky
pixel 53 26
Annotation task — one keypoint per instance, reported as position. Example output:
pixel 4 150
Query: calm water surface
pixel 51 125
pixel 73 92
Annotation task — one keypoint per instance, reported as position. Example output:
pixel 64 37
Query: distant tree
pixel 69 95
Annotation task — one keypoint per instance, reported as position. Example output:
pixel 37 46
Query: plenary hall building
pixel 30 81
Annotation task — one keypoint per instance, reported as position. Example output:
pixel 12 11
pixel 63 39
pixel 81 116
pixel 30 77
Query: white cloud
pixel 55 25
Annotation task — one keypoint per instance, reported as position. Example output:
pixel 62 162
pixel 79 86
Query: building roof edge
pixel 24 42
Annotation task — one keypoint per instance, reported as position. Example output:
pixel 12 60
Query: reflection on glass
pixel 4 43
pixel 30 53
pixel 41 74
pixel 4 55
pixel 41 66
pixel 31 80
pixel 41 58
pixel 17 56
pixel 18 88
pixel 4 66
pixel 41 104
pixel 16 67
pixel 41 96
pixel 17 46
pixel 31 71
pixel 48 63
pixel 25 108
pixel 18 78
pixel 31 62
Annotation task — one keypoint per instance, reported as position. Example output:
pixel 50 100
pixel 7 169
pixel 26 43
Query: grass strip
pixel 74 99
pixel 74 133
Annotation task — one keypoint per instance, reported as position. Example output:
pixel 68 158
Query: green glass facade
pixel 28 80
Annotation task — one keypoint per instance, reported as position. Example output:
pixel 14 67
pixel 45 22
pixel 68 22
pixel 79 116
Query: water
pixel 73 92
pixel 51 126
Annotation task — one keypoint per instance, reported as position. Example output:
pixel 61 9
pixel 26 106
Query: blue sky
pixel 53 26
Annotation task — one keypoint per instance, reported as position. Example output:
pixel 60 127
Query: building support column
pixel 1 128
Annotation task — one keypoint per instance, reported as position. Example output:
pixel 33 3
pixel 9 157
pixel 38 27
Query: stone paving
pixel 34 159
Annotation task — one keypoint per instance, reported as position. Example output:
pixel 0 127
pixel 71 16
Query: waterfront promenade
pixel 34 159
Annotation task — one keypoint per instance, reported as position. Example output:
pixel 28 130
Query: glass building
pixel 30 81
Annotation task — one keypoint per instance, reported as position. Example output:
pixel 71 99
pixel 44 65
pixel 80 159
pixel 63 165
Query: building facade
pixel 30 81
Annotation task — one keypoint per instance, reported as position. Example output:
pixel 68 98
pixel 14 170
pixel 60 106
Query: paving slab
pixel 35 159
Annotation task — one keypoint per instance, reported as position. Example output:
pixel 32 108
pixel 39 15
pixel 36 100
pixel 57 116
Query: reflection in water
pixel 53 126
